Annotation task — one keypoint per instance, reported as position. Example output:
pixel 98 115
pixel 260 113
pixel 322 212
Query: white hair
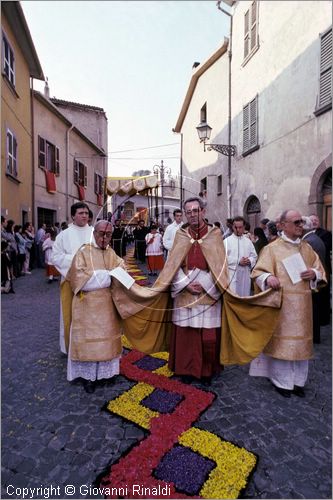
pixel 101 222
pixel 307 223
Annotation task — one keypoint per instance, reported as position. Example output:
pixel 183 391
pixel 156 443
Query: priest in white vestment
pixel 65 247
pixel 241 256
pixel 285 359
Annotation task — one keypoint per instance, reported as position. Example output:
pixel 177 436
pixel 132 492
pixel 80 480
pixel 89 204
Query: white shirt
pixel 170 233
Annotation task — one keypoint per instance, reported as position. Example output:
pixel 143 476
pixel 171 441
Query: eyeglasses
pixel 101 234
pixel 193 211
pixel 298 222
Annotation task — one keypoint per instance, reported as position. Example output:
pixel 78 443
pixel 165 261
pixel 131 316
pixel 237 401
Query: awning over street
pixel 131 185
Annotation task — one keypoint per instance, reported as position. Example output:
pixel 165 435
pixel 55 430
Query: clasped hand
pixel 194 288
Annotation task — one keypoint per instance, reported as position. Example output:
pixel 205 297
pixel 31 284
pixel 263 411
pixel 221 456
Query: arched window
pixel 252 211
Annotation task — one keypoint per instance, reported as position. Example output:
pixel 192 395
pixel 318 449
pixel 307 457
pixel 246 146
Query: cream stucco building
pixel 281 114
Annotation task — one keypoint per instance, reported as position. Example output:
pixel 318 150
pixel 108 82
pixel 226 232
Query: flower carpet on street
pixel 133 269
pixel 175 459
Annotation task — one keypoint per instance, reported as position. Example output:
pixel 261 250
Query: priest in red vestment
pixel 196 316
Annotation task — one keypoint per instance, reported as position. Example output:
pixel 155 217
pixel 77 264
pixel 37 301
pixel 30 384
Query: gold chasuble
pixel 145 314
pixel 292 338
pixel 96 328
pixel 247 322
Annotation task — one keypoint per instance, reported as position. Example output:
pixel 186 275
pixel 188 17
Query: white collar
pixel 294 242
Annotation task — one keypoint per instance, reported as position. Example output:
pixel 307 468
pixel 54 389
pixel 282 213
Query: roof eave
pixel 193 82
pixel 48 104
pixel 18 24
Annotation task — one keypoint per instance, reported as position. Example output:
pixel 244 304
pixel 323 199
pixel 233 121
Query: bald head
pixel 292 224
pixel 104 223
pixel 103 233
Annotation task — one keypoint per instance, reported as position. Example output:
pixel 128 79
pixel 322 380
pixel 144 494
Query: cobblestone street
pixel 55 434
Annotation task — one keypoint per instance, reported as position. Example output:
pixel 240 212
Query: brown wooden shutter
pixel 85 176
pixel 57 162
pixel 76 172
pixel 14 156
pixel 325 84
pixel 42 152
pixel 253 123
pixel 246 128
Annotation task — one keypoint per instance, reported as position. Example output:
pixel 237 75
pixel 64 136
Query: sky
pixel 134 60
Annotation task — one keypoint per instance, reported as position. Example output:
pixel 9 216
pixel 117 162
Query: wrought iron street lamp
pixel 161 170
pixel 204 131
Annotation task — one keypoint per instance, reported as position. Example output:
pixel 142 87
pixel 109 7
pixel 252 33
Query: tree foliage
pixel 140 173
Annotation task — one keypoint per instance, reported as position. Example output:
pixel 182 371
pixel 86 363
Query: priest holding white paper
pixel 285 359
pixel 95 335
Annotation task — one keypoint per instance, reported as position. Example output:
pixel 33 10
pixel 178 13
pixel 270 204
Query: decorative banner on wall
pixel 51 186
pixel 82 193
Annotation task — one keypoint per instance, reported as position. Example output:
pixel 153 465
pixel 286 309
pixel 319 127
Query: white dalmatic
pixel 237 247
pixel 65 247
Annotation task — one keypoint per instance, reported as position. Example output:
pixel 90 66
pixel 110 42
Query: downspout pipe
pixel 67 171
pixel 33 191
pixel 229 196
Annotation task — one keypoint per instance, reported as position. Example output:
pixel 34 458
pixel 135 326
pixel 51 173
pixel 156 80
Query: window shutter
pixel 246 141
pixel 325 83
pixel 42 153
pixel 246 33
pixel 253 25
pixel 85 176
pixel 96 183
pixel 219 184
pixel 57 162
pixel 9 151
pixel 14 156
pixel 253 123
pixel 76 172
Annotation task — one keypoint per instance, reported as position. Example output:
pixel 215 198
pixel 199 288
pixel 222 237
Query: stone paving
pixel 55 435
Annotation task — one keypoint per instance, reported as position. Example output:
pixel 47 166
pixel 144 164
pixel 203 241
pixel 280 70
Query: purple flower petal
pixel 150 363
pixel 185 468
pixel 162 401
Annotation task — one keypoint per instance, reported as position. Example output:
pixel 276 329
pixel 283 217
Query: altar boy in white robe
pixel 242 257
pixel 65 247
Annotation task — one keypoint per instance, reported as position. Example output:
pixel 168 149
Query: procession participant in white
pixel 171 229
pixel 241 257
pixel 65 247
